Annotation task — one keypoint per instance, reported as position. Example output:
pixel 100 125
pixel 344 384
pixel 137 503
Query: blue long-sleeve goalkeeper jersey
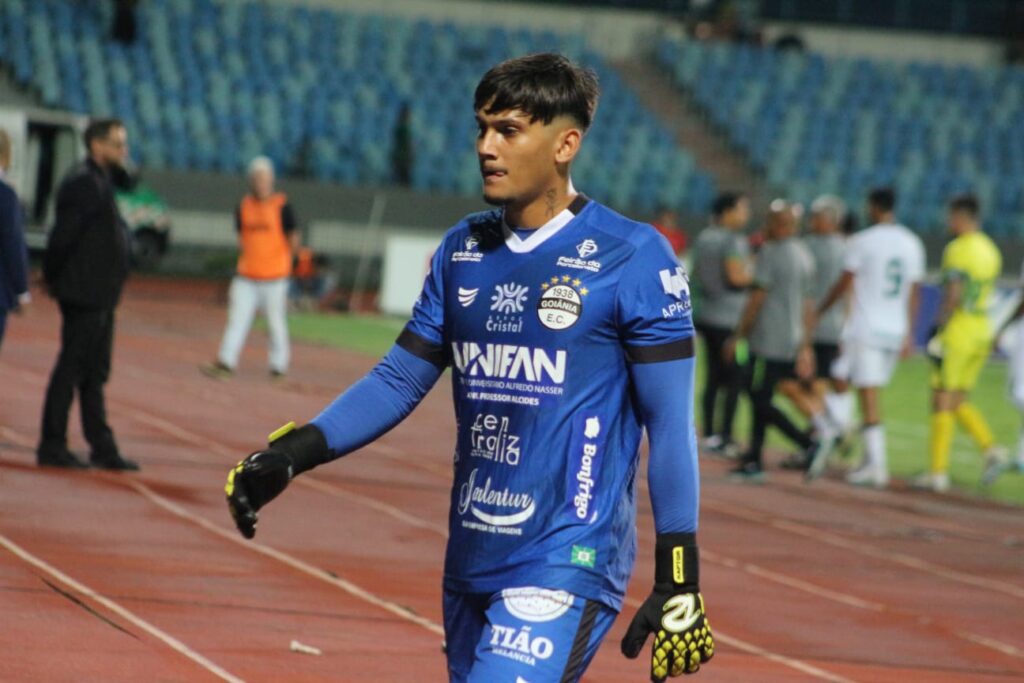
pixel 548 338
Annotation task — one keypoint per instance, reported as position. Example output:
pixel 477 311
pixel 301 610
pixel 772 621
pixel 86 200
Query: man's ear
pixel 568 145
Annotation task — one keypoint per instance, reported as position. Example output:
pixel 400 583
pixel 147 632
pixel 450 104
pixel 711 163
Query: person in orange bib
pixel 267 237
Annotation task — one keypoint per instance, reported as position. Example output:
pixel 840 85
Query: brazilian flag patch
pixel 583 556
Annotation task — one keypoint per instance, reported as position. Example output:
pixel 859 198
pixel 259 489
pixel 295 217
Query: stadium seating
pixel 208 85
pixel 813 124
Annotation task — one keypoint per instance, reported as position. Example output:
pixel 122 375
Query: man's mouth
pixel 492 173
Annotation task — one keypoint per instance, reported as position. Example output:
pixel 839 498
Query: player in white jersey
pixel 1012 344
pixel 882 268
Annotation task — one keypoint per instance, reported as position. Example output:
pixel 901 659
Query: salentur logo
pixel 508 361
pixel 509 509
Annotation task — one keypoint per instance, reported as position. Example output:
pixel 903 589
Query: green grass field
pixel 905 403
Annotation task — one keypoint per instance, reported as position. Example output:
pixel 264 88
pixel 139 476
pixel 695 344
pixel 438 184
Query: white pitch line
pixel 117 609
pixel 284 558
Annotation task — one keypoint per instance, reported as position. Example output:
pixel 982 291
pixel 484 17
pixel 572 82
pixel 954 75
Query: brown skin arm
pixel 753 307
pixel 737 274
pixel 1017 313
pixel 838 291
pixel 913 304
pixel 805 356
pixel 952 294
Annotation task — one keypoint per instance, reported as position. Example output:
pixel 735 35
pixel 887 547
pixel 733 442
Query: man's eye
pixel 509 131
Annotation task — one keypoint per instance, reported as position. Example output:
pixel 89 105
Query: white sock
pixel 824 426
pixel 874 447
pixel 840 409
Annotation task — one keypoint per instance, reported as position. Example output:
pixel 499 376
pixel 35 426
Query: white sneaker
pixel 711 443
pixel 868 476
pixel 931 481
pixel 996 462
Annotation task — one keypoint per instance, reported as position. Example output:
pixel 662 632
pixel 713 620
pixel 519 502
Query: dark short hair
pixel 967 203
pixel 99 129
pixel 726 201
pixel 545 86
pixel 883 198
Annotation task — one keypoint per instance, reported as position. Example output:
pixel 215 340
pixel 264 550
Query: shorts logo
pixel 561 302
pixel 586 248
pixel 536 604
pixel 520 644
pixel 467 296
pixel 583 556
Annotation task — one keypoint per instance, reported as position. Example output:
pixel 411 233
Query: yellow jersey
pixel 974 260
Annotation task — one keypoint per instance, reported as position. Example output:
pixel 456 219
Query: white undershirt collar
pixel 518 245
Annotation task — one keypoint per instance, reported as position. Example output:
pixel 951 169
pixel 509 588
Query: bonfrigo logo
pixel 508 361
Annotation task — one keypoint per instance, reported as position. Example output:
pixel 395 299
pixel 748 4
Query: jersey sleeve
pixel 853 259
pixel 918 268
pixel 738 248
pixel 423 335
pixel 764 271
pixel 653 305
pixel 953 266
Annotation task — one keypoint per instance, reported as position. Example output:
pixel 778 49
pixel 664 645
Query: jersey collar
pixel 518 245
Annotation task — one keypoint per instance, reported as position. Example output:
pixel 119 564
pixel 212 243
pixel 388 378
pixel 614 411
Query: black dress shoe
pixel 114 462
pixel 65 459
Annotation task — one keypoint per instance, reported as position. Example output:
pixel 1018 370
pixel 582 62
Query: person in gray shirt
pixel 826 243
pixel 774 320
pixel 721 276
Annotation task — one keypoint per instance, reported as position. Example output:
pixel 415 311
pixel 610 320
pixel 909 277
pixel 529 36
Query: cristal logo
pixel 586 248
pixel 508 361
pixel 471 496
pixel 509 298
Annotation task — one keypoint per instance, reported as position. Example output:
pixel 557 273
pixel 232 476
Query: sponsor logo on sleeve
pixel 491 439
pixel 520 644
pixel 467 296
pixel 536 605
pixel 470 252
pixel 561 302
pixel 492 510
pixel 676 285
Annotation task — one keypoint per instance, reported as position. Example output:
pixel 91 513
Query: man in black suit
pixel 85 267
pixel 13 257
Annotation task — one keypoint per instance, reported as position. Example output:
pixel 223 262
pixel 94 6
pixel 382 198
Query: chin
pixel 495 199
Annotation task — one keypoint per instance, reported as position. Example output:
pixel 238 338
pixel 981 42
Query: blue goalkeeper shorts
pixel 522 635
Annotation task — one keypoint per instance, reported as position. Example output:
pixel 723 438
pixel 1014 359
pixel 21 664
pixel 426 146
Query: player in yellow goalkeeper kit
pixel 971 263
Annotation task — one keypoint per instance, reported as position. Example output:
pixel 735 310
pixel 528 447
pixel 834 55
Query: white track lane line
pixel 117 609
pixel 284 558
pixel 925 567
pixel 291 561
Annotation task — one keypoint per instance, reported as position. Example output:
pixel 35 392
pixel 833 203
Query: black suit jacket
pixel 13 256
pixel 87 254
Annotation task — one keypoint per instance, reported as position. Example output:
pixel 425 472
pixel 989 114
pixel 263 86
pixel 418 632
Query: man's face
pixel 112 151
pixel 959 221
pixel 262 183
pixel 822 223
pixel 517 156
pixel 738 216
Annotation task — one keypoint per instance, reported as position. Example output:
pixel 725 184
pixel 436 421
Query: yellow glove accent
pixel 281 431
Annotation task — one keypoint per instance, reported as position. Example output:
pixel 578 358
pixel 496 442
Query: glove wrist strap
pixel 306 446
pixel 677 561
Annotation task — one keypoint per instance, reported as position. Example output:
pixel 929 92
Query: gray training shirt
pixel 827 251
pixel 715 302
pixel 785 270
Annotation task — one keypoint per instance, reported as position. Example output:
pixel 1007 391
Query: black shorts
pixel 824 355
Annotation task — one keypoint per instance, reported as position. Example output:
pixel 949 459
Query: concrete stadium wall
pixel 896 46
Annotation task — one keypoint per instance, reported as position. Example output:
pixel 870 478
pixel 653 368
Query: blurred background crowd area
pixel 365 108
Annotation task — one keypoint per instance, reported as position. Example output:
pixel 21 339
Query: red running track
pixel 108 577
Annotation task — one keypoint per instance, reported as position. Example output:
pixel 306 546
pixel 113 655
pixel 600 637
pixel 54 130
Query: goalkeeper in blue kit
pixel 568 332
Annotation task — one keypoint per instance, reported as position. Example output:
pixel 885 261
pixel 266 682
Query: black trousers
pixel 722 378
pixel 86 343
pixel 765 375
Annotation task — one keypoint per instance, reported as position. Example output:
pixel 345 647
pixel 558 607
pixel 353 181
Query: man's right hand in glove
pixel 262 476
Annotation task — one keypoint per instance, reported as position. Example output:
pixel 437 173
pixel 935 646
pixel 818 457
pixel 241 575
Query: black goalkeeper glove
pixel 674 612
pixel 262 476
